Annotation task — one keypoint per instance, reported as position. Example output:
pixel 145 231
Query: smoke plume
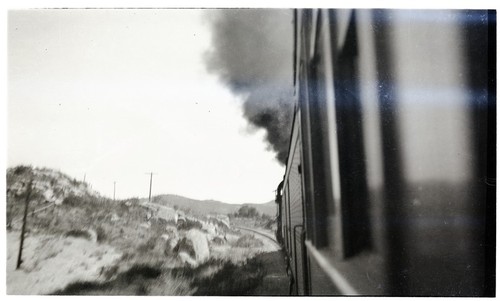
pixel 253 54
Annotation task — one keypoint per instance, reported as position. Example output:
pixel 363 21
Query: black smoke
pixel 252 53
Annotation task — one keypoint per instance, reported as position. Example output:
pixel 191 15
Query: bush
pixel 149 245
pixel 78 233
pixel 248 241
pixel 248 211
pixel 232 280
pixel 141 270
pixel 77 288
pixel 127 283
pixel 73 200
pixel 22 169
pixel 189 224
pixel 101 234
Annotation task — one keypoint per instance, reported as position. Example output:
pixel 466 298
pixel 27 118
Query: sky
pixel 111 95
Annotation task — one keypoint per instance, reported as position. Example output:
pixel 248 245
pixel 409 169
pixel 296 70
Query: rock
pixel 145 225
pixel 170 245
pixel 200 244
pixel 171 231
pixel 180 220
pixel 210 228
pixel 186 258
pixel 219 241
pixel 58 201
pixel 194 244
pixel 92 235
pixel 115 217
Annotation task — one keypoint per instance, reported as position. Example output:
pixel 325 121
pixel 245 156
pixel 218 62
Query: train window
pixel 352 170
pixel 314 179
pixel 340 194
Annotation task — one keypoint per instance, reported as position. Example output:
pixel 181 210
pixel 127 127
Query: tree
pixel 247 211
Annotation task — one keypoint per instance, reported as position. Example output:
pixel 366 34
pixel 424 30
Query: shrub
pixel 109 272
pixel 78 233
pixel 77 288
pixel 101 234
pixel 128 283
pixel 22 169
pixel 248 211
pixel 189 224
pixel 149 245
pixel 141 270
pixel 248 241
pixel 73 200
pixel 232 280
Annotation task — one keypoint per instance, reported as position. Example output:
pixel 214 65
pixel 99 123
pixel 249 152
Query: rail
pixel 266 235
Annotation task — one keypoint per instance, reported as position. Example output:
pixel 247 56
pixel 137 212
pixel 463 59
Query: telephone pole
pixel 150 183
pixel 114 190
pixel 23 229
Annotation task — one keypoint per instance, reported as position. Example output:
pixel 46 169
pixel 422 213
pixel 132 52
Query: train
pixel 390 181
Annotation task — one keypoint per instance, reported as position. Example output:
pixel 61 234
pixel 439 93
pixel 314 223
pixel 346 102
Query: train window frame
pixel 322 113
pixel 351 149
pixel 332 256
pixel 331 68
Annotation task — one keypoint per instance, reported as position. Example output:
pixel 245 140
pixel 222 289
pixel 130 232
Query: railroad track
pixel 261 234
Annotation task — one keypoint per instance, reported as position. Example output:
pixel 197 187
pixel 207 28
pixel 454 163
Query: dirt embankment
pixel 51 262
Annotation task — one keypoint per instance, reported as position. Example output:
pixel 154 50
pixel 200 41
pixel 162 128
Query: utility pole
pixel 23 229
pixel 114 190
pixel 150 183
pixel 84 176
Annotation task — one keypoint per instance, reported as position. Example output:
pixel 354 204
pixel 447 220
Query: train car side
pixel 387 189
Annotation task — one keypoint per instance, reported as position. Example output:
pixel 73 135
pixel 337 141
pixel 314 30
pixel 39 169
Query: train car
pixel 389 186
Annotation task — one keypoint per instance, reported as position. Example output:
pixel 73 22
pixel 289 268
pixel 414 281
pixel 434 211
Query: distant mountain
pixel 200 207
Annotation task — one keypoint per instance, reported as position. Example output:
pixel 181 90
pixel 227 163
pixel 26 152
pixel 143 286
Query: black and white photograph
pixel 250 151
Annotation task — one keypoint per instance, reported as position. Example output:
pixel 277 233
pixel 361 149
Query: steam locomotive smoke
pixel 252 54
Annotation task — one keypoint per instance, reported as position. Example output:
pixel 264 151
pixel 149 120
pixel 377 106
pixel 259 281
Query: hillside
pixel 54 186
pixel 49 187
pixel 77 242
pixel 199 207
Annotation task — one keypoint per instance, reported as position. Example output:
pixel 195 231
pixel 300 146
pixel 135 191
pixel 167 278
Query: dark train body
pixel 390 180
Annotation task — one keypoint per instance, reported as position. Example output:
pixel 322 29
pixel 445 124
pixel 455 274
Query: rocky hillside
pixel 48 185
pixel 79 243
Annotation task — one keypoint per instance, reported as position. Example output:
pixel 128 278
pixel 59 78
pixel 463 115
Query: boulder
pixel 171 231
pixel 145 225
pixel 200 244
pixel 186 258
pixel 210 228
pixel 115 217
pixel 170 245
pixel 195 245
pixel 92 235
pixel 218 240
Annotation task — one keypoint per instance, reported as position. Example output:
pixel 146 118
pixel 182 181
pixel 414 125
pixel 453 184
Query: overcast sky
pixel 114 94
